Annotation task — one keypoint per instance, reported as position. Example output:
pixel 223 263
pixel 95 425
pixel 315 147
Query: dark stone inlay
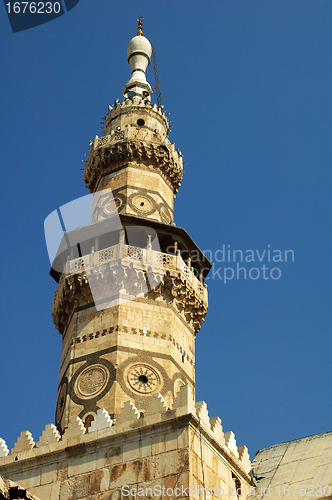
pixel 134 331
pixel 92 360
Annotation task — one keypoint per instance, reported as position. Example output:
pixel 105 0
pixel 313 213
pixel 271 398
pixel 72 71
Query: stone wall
pixel 168 448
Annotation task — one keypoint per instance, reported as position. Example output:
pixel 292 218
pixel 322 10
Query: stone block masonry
pixel 168 447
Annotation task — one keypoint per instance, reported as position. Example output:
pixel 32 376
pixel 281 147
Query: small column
pixel 149 256
pixel 179 261
pixel 122 237
pixel 122 253
pixel 92 256
pixel 67 265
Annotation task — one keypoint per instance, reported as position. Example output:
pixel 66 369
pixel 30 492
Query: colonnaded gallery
pixel 129 302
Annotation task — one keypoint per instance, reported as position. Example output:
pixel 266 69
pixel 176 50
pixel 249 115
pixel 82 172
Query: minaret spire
pixel 139 55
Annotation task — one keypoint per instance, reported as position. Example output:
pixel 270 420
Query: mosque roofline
pixel 311 436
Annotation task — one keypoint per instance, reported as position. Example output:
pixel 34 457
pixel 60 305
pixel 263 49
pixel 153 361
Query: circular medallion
pixel 61 403
pixel 91 381
pixel 143 203
pixel 112 206
pixel 143 379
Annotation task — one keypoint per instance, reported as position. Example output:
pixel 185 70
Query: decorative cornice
pixel 106 153
pixel 71 291
pixel 175 289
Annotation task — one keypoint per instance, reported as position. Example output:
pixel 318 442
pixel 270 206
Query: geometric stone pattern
pixel 99 161
pixel 202 413
pixel 101 421
pixel 75 428
pixel 24 442
pixel 133 331
pixel 168 453
pixel 231 442
pixel 244 457
pixel 50 435
pixel 184 402
pixel 106 337
pixel 216 428
pixel 157 405
pixel 129 412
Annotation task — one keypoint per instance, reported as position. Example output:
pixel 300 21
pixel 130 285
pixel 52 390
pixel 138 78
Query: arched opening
pixel 88 420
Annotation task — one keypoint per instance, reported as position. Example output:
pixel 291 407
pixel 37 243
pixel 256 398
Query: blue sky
pixel 248 86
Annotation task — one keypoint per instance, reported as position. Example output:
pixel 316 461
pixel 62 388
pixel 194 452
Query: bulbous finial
pixel 140 26
pixel 139 54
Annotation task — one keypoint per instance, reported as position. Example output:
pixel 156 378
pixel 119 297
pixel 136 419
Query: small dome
pixel 139 44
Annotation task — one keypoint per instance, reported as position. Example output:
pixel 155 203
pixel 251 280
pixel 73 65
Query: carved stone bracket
pixel 128 282
pixel 159 155
pixel 72 290
pixel 187 300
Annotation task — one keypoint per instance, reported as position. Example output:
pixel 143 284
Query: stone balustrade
pixel 144 257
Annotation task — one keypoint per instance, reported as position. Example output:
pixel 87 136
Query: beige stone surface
pixel 152 329
pixel 297 469
pixel 49 436
pixel 24 442
pixel 172 450
pixel 49 473
pixel 4 451
pixel 231 442
pixel 10 490
pixel 101 421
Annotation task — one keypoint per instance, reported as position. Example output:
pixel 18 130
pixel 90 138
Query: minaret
pixel 130 297
pixel 129 302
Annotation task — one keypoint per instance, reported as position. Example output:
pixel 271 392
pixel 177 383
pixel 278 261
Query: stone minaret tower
pixel 129 302
pixel 143 342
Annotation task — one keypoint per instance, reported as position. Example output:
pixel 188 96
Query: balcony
pixel 141 258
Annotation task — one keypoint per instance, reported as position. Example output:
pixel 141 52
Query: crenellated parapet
pixel 3 448
pixel 130 420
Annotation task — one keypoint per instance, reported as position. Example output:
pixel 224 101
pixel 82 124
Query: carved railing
pixel 78 265
pixel 144 257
